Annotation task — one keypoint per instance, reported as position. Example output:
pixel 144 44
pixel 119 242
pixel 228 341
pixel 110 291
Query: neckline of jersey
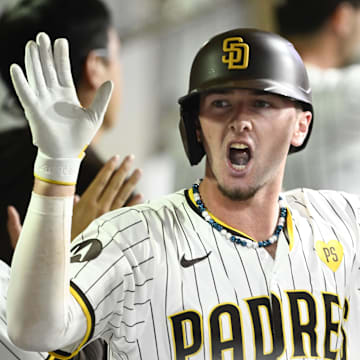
pixel 288 229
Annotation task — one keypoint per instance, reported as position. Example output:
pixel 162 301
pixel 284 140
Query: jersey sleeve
pixel 351 307
pixel 112 269
pixel 8 351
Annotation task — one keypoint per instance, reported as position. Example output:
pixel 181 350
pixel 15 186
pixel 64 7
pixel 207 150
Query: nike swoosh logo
pixel 187 263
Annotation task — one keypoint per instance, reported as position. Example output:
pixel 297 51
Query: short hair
pixel 301 17
pixel 84 23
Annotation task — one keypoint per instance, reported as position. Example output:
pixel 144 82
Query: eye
pixel 220 103
pixel 259 103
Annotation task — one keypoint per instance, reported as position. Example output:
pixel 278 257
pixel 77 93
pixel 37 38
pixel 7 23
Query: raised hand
pixel 60 126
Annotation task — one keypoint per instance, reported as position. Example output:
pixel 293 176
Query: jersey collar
pixel 289 232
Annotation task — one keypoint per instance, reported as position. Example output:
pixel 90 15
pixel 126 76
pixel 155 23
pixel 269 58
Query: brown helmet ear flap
pixel 188 125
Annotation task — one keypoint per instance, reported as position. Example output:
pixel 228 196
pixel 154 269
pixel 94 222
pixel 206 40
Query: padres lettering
pixel 237 53
pixel 267 320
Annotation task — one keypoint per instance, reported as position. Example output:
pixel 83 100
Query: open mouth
pixel 239 156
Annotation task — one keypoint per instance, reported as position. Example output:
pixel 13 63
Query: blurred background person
pixel 95 59
pixel 327 35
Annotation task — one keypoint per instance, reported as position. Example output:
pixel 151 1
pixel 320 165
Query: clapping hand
pixel 111 189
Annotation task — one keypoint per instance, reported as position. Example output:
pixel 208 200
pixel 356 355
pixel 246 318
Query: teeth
pixel 239 146
pixel 238 167
pixel 239 156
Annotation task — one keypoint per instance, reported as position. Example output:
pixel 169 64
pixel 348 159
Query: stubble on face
pixel 238 194
pixel 234 193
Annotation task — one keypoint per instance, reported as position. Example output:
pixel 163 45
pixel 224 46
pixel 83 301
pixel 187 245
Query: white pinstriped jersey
pixel 158 282
pixel 8 351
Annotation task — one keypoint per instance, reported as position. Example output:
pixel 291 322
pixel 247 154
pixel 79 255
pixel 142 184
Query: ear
pixel 198 131
pixel 301 128
pixel 94 70
pixel 342 19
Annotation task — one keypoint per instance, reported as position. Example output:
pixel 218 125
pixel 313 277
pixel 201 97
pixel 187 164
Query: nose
pixel 241 120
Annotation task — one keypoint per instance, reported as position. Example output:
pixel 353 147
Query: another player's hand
pixel 13 225
pixel 111 189
pixel 61 128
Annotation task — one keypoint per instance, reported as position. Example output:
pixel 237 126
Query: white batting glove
pixel 61 128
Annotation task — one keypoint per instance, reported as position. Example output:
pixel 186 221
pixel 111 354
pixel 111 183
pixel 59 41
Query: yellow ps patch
pixel 331 253
pixel 237 53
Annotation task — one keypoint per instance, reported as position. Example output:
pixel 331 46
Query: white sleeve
pixel 8 351
pixel 40 307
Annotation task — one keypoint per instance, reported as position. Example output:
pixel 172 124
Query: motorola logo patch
pixel 86 251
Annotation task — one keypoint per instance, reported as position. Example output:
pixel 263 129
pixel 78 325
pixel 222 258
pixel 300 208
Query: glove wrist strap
pixel 62 171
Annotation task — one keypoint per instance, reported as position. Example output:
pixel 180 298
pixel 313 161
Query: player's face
pixel 246 135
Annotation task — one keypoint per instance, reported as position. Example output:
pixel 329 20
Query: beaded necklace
pixel 235 239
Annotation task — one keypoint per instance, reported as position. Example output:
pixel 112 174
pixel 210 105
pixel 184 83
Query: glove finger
pixel 23 90
pixel 46 59
pixel 34 69
pixel 101 100
pixel 28 68
pixel 62 62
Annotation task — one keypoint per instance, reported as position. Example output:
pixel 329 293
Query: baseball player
pixel 230 268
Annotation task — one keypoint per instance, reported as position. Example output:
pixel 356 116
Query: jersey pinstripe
pixel 163 284
pixel 8 351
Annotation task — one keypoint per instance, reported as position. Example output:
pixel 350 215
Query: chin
pixel 238 194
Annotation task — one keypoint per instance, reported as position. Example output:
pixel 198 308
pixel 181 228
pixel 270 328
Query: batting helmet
pixel 248 59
